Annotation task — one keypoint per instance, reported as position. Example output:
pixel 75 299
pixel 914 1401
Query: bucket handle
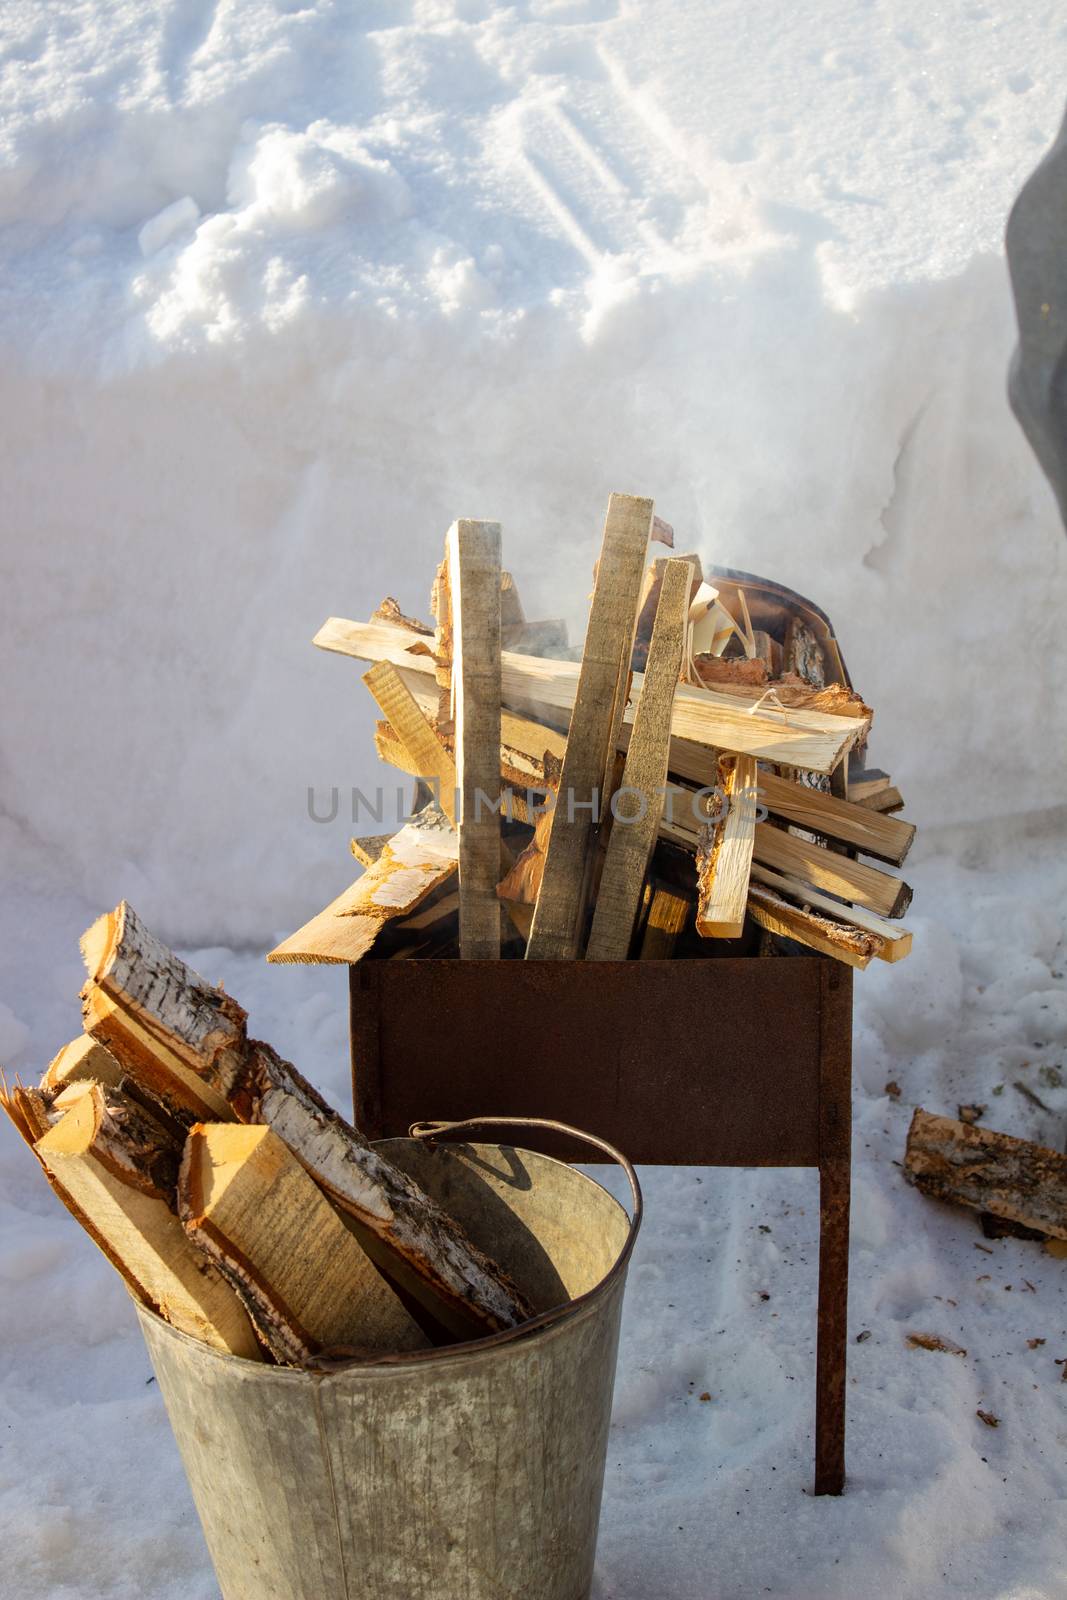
pixel 436 1130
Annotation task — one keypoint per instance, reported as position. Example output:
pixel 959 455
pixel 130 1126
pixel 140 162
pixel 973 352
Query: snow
pixel 287 287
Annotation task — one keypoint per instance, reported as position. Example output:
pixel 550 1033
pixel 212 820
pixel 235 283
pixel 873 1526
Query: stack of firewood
pixel 232 1199
pixel 684 785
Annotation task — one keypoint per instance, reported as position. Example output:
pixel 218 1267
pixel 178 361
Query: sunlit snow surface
pixel 285 289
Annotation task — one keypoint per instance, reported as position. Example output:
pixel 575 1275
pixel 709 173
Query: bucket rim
pixel 325 1366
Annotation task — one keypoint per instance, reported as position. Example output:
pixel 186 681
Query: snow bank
pixel 289 289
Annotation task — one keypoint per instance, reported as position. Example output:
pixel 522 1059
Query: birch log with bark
pixel 121 1171
pixel 474 584
pixel 987 1171
pixel 597 712
pixel 410 1237
pixel 644 775
pixel 249 1206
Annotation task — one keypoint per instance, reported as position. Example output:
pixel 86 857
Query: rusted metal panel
pixel 711 1063
pixel 740 1061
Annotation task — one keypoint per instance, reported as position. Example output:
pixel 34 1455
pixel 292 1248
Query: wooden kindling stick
pixel 633 838
pixel 596 715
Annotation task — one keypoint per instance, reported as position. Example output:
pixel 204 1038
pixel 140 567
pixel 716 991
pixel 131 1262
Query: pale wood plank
pixel 555 932
pixel 667 916
pixel 419 738
pixel 854 946
pixel 883 837
pixel 121 1170
pixel 838 875
pixel 896 939
pixel 81 1061
pixel 512 614
pixel 415 862
pixel 724 853
pixel 248 1205
pixel 474 585
pixel 542 688
pixel 887 799
pixel 369 848
pixel 633 837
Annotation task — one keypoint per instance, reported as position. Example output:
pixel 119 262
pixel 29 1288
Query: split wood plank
pixel 972 1166
pixel 248 1205
pixel 887 799
pixel 429 917
pixel 81 1061
pixel 121 1171
pixel 544 689
pixel 405 1232
pixel 633 836
pixel 556 930
pixel 369 848
pixel 835 874
pixel 724 853
pixel 474 584
pixel 871 780
pixel 430 760
pixel 885 838
pixel 854 946
pixel 512 614
pixel 415 862
pixel 896 939
pixel 667 916
pixel 440 662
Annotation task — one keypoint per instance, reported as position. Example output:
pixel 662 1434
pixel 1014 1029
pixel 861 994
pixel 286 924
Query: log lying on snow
pixel 411 866
pixel 971 1166
pixel 536 686
pixel 189 1028
pixel 306 1282
pixel 120 1169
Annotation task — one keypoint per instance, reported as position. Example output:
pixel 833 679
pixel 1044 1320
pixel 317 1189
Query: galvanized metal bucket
pixel 471 1472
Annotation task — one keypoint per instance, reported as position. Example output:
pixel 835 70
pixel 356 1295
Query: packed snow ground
pixel 286 288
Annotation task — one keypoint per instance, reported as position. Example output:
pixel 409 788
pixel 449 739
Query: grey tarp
pixel 1037 257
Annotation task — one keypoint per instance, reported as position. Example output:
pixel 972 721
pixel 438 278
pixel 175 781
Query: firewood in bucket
pixel 248 1205
pixel 186 1040
pixel 120 1170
